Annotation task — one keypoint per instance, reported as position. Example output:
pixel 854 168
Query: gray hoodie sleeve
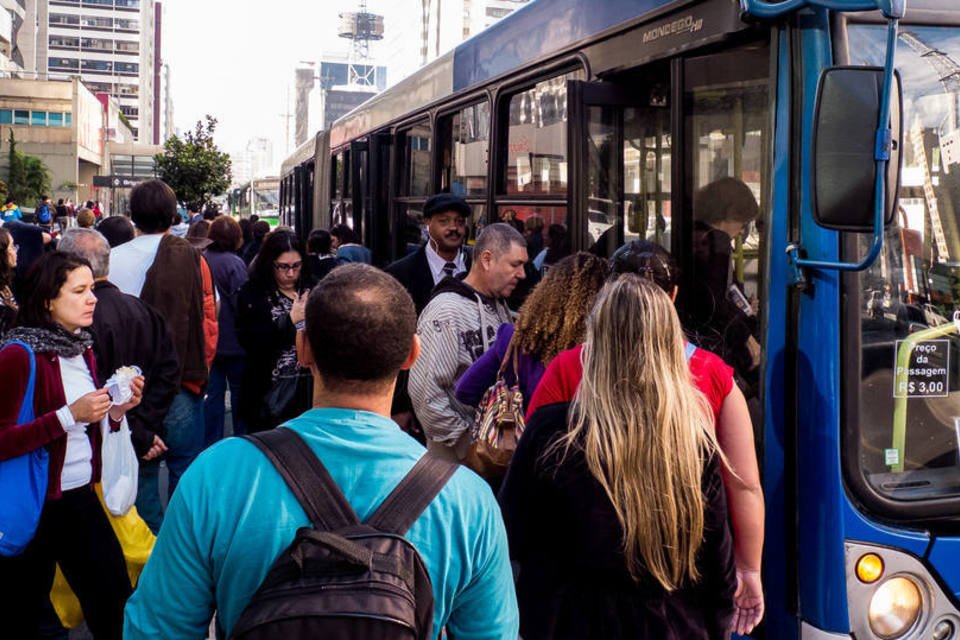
pixel 442 328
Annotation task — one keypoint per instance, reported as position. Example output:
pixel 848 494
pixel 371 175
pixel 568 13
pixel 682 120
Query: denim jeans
pixel 225 370
pixel 184 427
pixel 148 494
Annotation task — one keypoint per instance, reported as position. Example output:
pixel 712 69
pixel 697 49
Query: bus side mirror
pixel 844 148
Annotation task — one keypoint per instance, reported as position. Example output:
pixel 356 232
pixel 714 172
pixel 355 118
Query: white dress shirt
pixel 130 262
pixel 436 263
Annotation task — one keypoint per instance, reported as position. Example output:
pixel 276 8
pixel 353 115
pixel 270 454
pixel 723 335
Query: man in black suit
pixel 419 272
pixel 442 256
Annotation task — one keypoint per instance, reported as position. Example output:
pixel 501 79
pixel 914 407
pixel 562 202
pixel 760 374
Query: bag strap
pixel 397 513
pixel 510 357
pixel 26 408
pixel 304 473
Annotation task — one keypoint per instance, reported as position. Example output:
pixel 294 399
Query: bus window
pixel 646 174
pixel 727 120
pixel 537 139
pixel 907 427
pixel 415 161
pixel 465 137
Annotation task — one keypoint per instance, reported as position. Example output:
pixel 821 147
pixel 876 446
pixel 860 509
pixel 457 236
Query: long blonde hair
pixel 644 428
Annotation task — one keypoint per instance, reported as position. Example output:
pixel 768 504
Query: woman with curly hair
pixel 553 319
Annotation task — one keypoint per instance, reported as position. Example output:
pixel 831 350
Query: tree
pixel 28 178
pixel 194 167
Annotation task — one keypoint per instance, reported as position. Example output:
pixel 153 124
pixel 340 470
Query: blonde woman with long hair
pixel 614 503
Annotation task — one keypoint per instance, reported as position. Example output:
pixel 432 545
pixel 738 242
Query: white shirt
pixel 436 263
pixel 77 382
pixel 130 262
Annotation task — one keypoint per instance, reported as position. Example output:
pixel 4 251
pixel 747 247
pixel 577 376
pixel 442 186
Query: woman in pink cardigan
pixel 69 407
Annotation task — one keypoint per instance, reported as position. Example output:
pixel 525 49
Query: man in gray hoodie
pixel 456 327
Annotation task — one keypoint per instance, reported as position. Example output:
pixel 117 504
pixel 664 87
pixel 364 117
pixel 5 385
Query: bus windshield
pixel 909 308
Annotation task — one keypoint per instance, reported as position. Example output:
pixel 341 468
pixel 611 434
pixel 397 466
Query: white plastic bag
pixel 119 469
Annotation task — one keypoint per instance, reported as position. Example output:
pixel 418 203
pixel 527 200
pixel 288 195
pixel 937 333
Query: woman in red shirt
pixel 69 406
pixel 734 429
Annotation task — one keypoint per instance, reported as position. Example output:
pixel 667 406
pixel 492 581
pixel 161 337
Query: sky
pixel 235 60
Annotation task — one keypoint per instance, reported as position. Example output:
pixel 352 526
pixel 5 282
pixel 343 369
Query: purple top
pixel 483 373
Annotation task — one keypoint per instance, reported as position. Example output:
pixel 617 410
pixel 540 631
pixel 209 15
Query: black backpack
pixel 342 579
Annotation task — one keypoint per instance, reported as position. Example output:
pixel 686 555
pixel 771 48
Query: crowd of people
pixel 631 507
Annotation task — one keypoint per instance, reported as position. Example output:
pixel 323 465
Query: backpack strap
pixel 304 473
pixel 397 513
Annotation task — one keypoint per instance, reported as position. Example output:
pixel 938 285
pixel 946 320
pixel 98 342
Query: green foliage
pixel 27 178
pixel 194 167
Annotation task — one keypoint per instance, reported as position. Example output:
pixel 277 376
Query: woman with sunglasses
pixel 270 309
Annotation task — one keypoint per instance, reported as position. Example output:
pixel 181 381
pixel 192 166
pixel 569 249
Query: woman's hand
pixel 748 602
pixel 91 408
pixel 136 386
pixel 299 308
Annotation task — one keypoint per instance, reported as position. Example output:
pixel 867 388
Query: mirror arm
pixel 891 9
pixel 884 140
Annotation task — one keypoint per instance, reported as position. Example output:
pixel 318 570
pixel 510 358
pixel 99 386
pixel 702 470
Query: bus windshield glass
pixel 909 300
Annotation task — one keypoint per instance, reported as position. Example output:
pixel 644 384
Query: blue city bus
pixel 608 118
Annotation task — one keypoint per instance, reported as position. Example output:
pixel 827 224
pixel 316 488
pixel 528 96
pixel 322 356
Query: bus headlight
pixel 895 607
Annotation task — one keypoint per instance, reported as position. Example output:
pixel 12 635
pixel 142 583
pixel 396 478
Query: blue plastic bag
pixel 23 480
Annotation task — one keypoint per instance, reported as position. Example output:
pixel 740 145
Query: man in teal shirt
pixel 232 514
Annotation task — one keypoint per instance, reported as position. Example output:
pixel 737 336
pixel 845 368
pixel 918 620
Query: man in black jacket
pixel 128 331
pixel 446 218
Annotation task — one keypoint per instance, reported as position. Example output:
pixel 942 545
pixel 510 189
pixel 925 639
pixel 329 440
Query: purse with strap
pixel 23 480
pixel 499 422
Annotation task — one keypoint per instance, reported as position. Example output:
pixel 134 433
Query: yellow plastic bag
pixel 136 540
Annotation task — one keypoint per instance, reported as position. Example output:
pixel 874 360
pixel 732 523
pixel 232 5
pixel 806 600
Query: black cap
pixel 442 202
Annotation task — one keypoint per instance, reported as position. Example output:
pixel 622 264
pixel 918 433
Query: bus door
pixel 620 147
pixel 679 153
pixel 360 188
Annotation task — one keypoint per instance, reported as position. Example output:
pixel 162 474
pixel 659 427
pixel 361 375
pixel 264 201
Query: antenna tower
pixel 361 27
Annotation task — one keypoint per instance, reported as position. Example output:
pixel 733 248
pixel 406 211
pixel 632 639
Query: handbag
pixel 499 423
pixel 280 396
pixel 120 468
pixel 136 540
pixel 23 480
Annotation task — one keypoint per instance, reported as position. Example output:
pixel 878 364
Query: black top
pixel 573 580
pixel 127 331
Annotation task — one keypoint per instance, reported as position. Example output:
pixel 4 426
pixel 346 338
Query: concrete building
pixel 321 96
pixel 125 165
pixel 12 19
pixel 255 160
pixel 65 125
pixel 439 25
pixel 112 44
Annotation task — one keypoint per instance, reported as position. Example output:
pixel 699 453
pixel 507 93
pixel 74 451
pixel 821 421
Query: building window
pixel 101 66
pixel 67 119
pixel 21 116
pixel 127 68
pixel 64 42
pixel 38 118
pixel 54 119
pixel 64 19
pixel 63 64
pixel 6 116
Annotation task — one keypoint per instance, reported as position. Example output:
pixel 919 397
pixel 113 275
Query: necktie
pixel 448 269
